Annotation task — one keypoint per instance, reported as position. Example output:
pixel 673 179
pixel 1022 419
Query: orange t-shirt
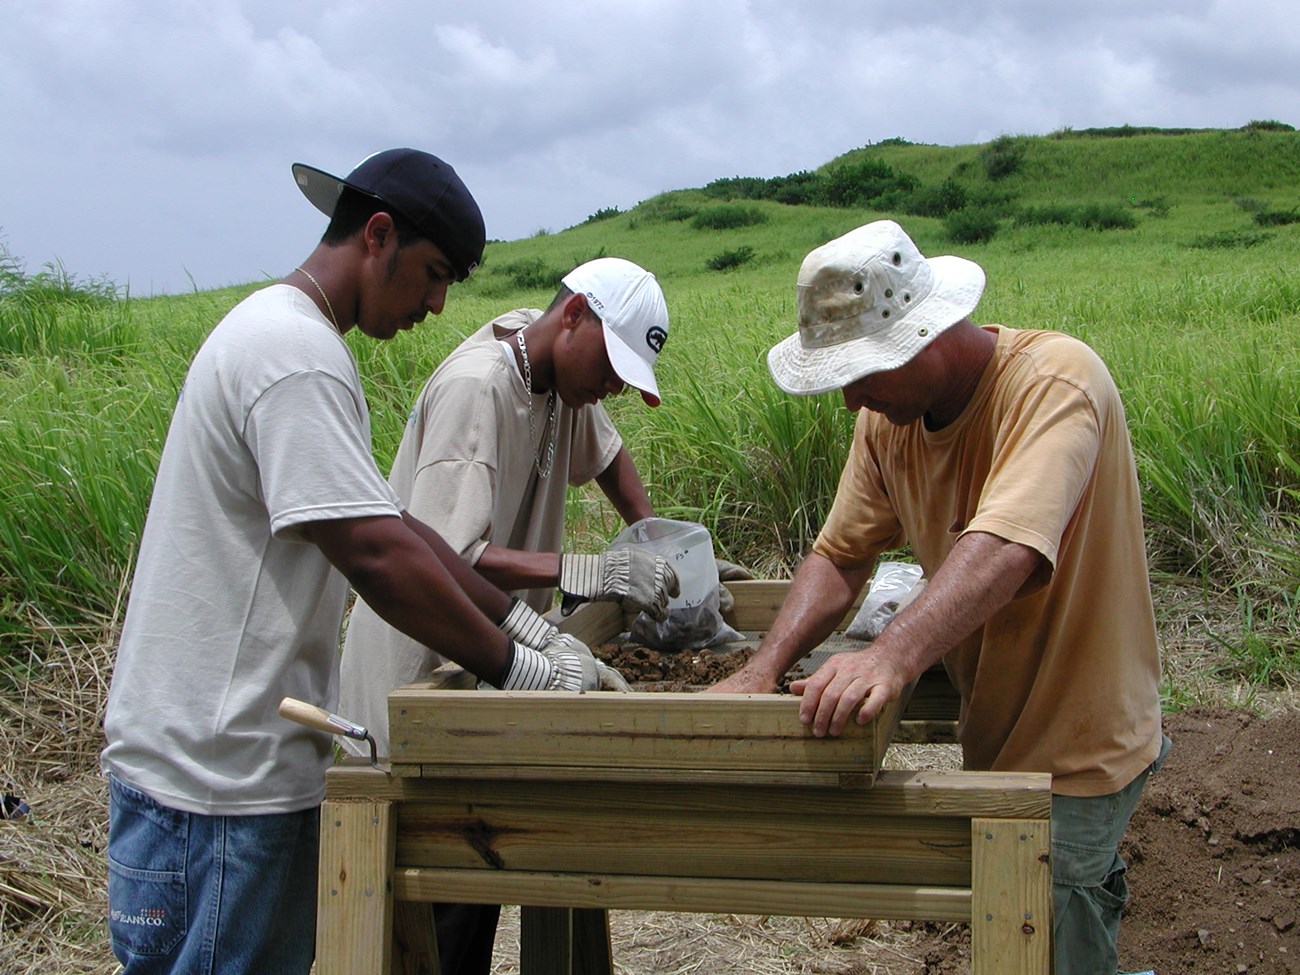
pixel 1065 678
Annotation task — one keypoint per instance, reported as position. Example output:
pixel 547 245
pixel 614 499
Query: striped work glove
pixel 544 659
pixel 638 581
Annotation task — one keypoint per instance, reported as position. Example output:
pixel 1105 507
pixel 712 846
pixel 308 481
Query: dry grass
pixel 52 873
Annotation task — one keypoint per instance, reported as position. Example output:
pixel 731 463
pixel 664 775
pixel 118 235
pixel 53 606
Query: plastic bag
pixel 694 615
pixel 893 586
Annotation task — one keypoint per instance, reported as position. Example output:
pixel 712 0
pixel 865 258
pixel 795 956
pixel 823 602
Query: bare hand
pixel 744 681
pixel 841 684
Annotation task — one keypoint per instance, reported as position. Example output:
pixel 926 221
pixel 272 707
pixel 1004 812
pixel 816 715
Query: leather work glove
pixel 636 580
pixel 525 625
pixel 611 679
pixel 728 571
pixel 543 658
pixel 564 664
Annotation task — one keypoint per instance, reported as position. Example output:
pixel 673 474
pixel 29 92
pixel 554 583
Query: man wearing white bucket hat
pixel 1002 457
pixel 504 426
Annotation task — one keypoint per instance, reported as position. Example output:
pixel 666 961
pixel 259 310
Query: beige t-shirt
pixel 465 466
pixel 1065 678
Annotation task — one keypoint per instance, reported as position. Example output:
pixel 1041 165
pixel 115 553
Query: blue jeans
pixel 210 895
pixel 1088 886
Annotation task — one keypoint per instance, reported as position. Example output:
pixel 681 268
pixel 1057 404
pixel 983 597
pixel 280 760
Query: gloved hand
pixel 636 580
pixel 543 658
pixel 729 571
pixel 611 679
pixel 525 625
pixel 564 664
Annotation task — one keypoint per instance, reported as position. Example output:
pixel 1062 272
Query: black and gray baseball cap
pixel 421 187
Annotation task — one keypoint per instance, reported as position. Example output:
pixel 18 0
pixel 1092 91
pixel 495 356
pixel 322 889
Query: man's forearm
pixel 510 569
pixel 491 601
pixel 819 597
pixel 621 484
pixel 981 574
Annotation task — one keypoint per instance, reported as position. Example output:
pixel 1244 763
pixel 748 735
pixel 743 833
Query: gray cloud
pixel 150 140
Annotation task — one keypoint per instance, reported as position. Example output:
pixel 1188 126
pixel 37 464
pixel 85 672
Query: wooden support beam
pixel 692 895
pixel 1011 908
pixel 415 941
pixel 997 795
pixel 354 904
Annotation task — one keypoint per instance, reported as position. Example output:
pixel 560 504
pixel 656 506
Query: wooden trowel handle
pixel 320 719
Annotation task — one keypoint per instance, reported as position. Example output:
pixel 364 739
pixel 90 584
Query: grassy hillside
pixel 1206 166
pixel 1191 293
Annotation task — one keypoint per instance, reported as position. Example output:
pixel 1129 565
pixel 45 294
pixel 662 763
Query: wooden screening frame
pixel 572 805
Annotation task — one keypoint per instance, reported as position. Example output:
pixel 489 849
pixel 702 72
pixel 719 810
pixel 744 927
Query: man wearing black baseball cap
pixel 267 504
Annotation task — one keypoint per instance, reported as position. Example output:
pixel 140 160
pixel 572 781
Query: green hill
pixel 1120 164
pixel 1175 254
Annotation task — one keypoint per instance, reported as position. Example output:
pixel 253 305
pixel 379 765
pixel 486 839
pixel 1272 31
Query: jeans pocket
pixel 147 843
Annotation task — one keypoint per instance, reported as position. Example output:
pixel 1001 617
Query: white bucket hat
pixel 869 302
pixel 628 301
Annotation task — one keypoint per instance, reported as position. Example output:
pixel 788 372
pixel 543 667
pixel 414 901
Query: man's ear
pixel 574 311
pixel 379 233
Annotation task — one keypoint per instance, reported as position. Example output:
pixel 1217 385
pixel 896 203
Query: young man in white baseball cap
pixel 1002 457
pixel 504 426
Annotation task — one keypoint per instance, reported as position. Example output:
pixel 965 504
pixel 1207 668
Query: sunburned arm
pixel 416 584
pixel 981 575
pixel 819 596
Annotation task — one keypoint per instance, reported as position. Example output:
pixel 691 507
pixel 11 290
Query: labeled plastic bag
pixel 894 585
pixel 694 615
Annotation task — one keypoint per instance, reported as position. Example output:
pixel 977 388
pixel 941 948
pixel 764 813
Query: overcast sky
pixel 150 141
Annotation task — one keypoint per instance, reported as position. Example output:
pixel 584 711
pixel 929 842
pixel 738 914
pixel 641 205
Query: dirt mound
pixel 1214 863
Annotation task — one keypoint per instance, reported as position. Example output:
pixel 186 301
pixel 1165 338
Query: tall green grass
pixel 1201 341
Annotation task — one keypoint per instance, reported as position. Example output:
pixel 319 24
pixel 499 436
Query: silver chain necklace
pixel 328 306
pixel 542 470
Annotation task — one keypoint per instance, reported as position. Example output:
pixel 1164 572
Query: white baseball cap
pixel 869 302
pixel 628 301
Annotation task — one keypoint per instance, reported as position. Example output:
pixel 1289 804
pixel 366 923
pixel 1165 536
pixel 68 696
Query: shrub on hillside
pixel 728 260
pixel 665 209
pixel 1227 240
pixel 530 274
pixel 1003 157
pixel 727 216
pixel 1091 216
pixel 798 189
pixel 604 213
pixel 737 188
pixel 1276 218
pixel 1267 125
pixel 935 201
pixel 972 224
pixel 859 184
pixel 1157 206
pixel 801 188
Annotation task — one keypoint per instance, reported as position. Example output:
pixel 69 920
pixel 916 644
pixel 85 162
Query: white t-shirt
pixel 465 467
pixel 230 609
